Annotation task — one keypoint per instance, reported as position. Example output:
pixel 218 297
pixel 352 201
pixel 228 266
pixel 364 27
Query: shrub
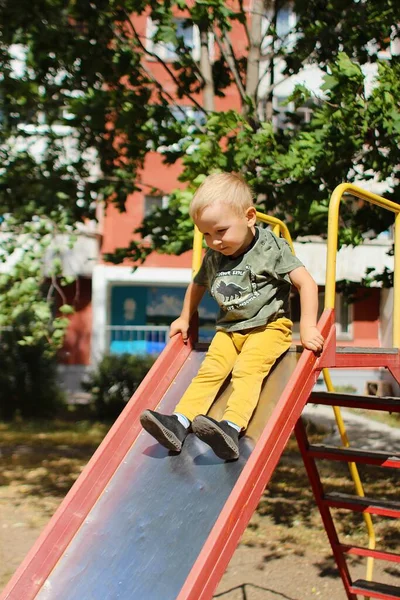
pixel 28 380
pixel 114 381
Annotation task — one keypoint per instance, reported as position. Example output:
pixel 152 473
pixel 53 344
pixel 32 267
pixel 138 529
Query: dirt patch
pixel 22 519
pixel 294 564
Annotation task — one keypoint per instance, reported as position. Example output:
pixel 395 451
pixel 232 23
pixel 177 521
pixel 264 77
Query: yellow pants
pixel 250 355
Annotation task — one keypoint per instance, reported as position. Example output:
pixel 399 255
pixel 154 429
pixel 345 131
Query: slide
pixel 142 523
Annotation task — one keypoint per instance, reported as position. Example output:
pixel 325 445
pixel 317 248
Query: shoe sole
pixel 214 436
pixel 164 436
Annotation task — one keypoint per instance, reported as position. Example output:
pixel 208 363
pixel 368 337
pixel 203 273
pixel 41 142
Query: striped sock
pixel 182 419
pixel 233 425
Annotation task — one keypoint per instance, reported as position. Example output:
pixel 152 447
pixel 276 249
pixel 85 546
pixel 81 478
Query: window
pixel 343 317
pixel 343 311
pixel 140 316
pixel 281 109
pixel 283 22
pixel 151 203
pixel 305 112
pixel 166 51
pixel 387 235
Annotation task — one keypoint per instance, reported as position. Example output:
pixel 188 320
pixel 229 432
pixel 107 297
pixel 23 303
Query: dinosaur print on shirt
pixel 230 291
pixel 234 289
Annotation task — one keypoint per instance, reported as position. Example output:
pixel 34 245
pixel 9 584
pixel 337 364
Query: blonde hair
pixel 227 188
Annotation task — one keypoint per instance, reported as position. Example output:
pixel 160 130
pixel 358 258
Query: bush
pixel 28 380
pixel 114 381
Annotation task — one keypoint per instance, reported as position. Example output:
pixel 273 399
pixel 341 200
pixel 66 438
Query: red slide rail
pixel 52 543
pixel 235 515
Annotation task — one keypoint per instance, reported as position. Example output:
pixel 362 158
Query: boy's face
pixel 226 231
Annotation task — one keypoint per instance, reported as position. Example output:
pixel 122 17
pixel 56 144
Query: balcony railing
pixel 137 339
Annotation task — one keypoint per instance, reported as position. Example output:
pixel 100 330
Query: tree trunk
pixel 206 71
pixel 253 60
pixel 269 110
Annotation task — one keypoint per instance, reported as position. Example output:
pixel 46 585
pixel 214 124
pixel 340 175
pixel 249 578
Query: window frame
pixel 164 199
pixel 280 109
pixel 162 50
pixel 340 307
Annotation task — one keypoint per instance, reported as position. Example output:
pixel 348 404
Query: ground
pixel 278 568
pixel 284 553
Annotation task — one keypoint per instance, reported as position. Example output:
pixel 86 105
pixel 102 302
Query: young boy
pixel 249 272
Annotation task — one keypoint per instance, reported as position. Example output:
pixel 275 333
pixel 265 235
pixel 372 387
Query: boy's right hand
pixel 180 325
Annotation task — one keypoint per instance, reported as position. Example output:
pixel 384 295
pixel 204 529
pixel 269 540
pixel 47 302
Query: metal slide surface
pixel 142 537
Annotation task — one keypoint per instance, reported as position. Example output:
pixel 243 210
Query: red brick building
pixel 120 310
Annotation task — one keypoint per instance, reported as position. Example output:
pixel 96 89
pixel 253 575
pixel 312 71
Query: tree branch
pixel 231 61
pixel 164 64
pixel 270 87
pixel 160 87
pixel 54 286
pixel 246 28
pixel 162 90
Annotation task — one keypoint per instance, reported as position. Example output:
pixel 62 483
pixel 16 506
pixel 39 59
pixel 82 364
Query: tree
pixel 85 89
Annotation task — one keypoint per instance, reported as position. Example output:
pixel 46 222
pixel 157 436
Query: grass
pixel 46 457
pixel 55 431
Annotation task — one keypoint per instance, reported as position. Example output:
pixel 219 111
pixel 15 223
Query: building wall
pixel 118 226
pixel 365 319
pixel 76 348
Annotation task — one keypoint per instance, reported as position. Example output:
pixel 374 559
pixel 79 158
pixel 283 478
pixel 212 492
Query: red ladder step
pixel 363 350
pixel 386 403
pixel 375 590
pixel 385 508
pixel 368 457
pixel 325 502
pixel 347 357
pixel 379 554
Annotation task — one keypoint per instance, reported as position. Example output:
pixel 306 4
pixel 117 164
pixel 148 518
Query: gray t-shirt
pixel 253 288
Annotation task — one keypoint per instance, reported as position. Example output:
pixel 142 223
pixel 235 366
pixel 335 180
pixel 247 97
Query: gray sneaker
pixel 166 429
pixel 222 438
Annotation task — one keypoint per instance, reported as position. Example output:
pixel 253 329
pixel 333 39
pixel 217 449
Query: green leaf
pixel 66 309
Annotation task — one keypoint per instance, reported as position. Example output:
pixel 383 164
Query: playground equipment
pixel 139 523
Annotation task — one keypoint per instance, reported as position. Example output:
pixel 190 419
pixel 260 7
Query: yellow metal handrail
pixel 278 226
pixel 333 227
pixel 197 250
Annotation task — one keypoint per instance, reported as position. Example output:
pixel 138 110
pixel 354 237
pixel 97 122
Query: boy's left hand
pixel 311 338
